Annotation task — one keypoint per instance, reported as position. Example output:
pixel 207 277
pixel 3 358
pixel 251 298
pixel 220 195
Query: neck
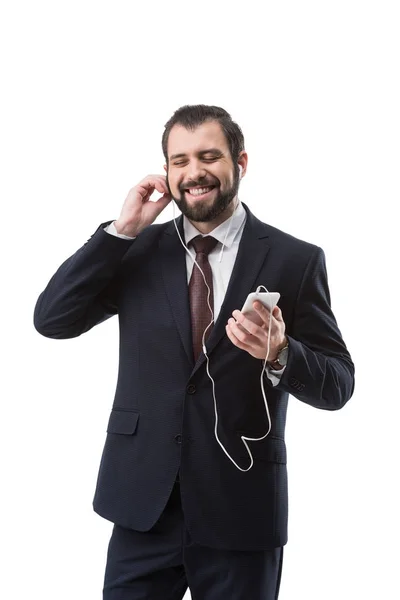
pixel 206 227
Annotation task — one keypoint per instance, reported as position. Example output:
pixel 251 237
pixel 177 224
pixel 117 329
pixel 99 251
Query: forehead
pixel 184 141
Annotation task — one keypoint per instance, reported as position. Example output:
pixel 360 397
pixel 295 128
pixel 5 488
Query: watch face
pixel 283 356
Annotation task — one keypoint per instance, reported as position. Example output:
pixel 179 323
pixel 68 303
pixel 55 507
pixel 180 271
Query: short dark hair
pixel 191 116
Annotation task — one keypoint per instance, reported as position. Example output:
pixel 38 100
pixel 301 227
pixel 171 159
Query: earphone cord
pixel 244 438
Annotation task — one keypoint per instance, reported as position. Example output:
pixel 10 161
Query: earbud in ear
pixel 240 171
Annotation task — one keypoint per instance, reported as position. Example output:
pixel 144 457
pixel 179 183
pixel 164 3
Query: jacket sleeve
pixel 83 291
pixel 320 370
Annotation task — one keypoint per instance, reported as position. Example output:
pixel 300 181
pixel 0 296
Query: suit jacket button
pixel 178 439
pixel 191 389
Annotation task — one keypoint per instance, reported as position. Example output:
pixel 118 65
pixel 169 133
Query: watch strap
pixel 275 364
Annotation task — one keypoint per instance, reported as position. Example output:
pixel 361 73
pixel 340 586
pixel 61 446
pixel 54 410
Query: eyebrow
pixel 209 151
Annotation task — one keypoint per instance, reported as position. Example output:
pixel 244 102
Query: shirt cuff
pixel 274 376
pixel 111 229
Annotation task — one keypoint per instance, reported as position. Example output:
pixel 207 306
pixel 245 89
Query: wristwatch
pixel 281 359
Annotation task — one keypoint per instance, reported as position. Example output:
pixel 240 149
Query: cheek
pixel 227 181
pixel 174 186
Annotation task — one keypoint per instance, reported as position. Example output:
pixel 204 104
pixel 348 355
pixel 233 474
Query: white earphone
pixel 206 354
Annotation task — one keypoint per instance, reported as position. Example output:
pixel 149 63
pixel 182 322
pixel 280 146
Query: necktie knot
pixel 204 245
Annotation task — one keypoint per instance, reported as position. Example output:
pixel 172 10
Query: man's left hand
pixel 246 335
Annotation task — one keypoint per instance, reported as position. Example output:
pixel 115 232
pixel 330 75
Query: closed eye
pixel 205 159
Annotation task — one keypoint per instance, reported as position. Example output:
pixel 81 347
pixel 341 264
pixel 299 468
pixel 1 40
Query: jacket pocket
pixel 270 449
pixel 122 421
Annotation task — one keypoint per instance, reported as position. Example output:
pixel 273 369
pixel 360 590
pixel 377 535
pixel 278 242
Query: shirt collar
pixel 219 233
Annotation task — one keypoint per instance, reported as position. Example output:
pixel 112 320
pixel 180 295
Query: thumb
pixel 162 202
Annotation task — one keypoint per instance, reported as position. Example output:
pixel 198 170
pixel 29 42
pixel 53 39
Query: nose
pixel 196 171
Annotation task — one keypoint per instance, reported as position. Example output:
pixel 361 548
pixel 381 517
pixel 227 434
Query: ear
pixel 243 160
pixel 165 168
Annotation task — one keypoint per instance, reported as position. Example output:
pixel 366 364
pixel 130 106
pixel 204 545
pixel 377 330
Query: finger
pixel 277 313
pixel 154 182
pixel 245 322
pixel 161 186
pixel 163 180
pixel 163 201
pixel 159 183
pixel 243 336
pixel 146 188
pixel 235 340
pixel 262 310
pixel 145 191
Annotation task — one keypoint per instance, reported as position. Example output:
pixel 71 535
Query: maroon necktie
pixel 198 292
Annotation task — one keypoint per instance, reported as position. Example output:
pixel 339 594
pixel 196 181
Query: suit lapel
pixel 252 251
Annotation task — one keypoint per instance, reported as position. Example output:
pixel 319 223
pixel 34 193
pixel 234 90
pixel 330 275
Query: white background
pixel 87 88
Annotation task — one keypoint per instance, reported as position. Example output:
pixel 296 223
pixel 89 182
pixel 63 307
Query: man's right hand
pixel 137 211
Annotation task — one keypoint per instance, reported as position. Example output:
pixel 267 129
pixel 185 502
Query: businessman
pixel 192 505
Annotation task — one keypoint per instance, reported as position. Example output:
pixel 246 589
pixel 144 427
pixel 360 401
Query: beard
pixel 202 211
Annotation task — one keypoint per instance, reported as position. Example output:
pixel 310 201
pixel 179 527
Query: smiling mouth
pixel 200 192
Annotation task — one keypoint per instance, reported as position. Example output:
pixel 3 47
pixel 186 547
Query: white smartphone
pixel 268 299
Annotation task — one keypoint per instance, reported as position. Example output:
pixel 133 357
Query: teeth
pixel 199 191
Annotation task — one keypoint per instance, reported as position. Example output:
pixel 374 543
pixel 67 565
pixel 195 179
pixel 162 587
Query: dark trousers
pixel 162 563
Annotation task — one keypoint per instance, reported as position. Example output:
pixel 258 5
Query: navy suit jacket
pixel 162 418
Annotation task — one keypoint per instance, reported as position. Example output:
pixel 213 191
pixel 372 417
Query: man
pixel 175 476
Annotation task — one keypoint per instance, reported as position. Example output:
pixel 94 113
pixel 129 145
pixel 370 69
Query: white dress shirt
pixel 228 234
